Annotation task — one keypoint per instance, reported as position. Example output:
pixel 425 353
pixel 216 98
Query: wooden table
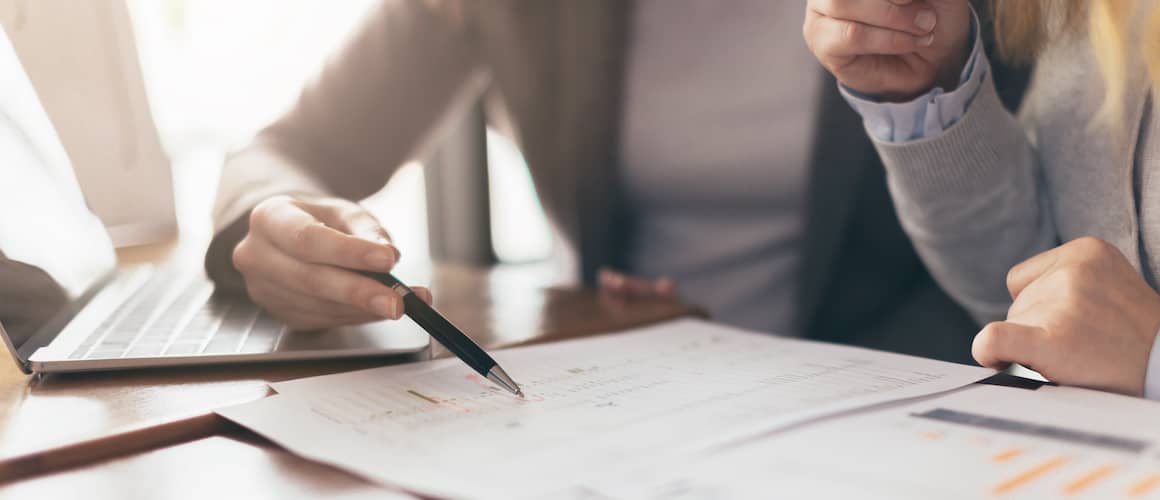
pixel 151 434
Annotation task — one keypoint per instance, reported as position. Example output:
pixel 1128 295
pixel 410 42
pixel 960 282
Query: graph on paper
pixel 981 442
pixel 1019 457
pixel 591 406
pixel 718 379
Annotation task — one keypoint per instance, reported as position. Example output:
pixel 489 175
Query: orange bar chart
pixel 1029 475
pixel 1007 455
pixel 1089 479
pixel 1144 486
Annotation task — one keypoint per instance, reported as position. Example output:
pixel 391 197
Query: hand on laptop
pixel 892 49
pixel 1082 315
pixel 291 260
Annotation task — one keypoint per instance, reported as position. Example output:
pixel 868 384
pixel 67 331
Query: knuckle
pixel 1072 278
pixel 241 256
pixel 892 11
pixel 307 240
pixel 851 33
pixel 1012 276
pixel 358 294
pixel 991 330
pixel 1062 282
pixel 302 235
pixel 901 41
pixel 263 212
pixel 311 282
pixel 1090 246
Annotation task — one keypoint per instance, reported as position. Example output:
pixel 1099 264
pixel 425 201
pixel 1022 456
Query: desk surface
pixel 157 419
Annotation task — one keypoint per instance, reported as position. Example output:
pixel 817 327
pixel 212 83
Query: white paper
pixel 1049 443
pixel 593 406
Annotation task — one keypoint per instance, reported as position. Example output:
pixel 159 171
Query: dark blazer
pixel 557 69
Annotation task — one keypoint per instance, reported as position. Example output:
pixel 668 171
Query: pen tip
pixel 501 378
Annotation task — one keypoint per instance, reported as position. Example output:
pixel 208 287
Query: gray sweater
pixel 995 189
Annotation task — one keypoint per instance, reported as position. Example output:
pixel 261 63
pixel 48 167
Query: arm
pixel 960 168
pixel 971 201
pixel 368 111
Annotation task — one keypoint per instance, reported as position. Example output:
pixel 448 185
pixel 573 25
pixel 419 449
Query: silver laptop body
pixel 65 306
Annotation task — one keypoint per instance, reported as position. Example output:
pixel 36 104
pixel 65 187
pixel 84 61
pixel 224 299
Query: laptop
pixel 65 306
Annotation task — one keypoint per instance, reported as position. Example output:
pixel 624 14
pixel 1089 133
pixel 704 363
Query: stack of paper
pixel 596 408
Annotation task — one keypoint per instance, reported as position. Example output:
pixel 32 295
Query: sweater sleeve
pixel 972 201
pixel 368 111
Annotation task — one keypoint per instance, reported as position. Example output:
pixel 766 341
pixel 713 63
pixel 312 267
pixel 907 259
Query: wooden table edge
pixel 152 436
pixel 127 442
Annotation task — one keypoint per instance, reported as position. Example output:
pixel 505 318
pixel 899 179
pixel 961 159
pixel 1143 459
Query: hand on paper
pixel 1082 315
pixel 292 255
pixel 622 286
pixel 891 49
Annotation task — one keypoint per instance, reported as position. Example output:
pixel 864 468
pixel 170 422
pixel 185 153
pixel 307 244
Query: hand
pixel 631 287
pixel 292 255
pixel 1081 315
pixel 895 50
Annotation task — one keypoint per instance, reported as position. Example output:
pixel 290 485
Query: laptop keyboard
pixel 171 317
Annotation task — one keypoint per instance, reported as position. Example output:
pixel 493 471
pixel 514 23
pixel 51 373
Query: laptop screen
pixel 52 248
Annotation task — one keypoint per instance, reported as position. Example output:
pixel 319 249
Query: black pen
pixel 446 333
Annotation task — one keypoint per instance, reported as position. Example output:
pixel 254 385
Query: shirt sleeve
pixel 928 115
pixel 1152 374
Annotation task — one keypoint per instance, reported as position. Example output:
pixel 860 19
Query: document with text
pixel 594 406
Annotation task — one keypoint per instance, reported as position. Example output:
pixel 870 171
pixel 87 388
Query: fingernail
pixel 383 306
pixel 925 20
pixel 926 41
pixel 380 260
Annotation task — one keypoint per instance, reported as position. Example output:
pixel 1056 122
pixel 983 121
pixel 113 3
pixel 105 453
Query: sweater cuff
pixel 963 159
pixel 928 115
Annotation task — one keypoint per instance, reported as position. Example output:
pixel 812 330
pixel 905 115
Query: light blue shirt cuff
pixel 1152 374
pixel 930 114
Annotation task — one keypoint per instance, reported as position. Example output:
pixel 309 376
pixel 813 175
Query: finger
pixel 1001 343
pixel 322 281
pixel 626 286
pixel 665 288
pixel 277 299
pixel 610 281
pixel 360 223
pixel 914 18
pixel 836 38
pixel 1026 272
pixel 424 294
pixel 639 288
pixel 299 234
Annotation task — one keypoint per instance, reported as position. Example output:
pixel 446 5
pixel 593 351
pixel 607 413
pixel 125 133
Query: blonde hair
pixel 1024 27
